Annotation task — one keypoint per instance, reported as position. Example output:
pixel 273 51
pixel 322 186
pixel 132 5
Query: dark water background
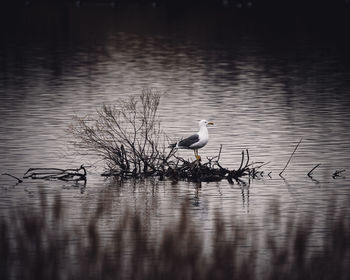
pixel 264 87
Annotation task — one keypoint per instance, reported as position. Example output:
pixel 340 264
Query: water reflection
pixel 110 242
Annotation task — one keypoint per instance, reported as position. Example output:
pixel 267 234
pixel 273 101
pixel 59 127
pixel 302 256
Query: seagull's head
pixel 205 123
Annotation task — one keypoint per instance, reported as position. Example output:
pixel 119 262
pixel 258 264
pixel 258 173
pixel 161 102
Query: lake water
pixel 263 90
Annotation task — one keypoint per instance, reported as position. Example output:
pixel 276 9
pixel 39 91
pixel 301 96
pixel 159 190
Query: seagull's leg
pixel 196 154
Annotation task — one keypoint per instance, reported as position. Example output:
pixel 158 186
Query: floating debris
pixel 69 175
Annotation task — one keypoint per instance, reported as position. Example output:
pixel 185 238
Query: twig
pixel 310 172
pixel 337 173
pixel 263 164
pixel 296 147
pixel 255 162
pixel 14 177
pixel 219 153
pixel 44 168
pixel 247 162
pixel 242 159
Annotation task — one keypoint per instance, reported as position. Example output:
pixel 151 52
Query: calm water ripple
pixel 261 97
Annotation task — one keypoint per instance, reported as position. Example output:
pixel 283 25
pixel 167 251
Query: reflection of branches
pixel 245 197
pixel 47 241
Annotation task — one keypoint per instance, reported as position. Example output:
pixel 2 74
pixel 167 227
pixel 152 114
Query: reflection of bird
pixel 196 141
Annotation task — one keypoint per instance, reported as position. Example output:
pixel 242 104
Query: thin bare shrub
pixel 128 136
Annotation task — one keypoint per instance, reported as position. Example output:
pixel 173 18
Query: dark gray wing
pixel 187 142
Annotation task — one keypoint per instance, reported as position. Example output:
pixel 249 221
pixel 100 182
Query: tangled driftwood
pixel 69 175
pixel 177 168
pixel 50 174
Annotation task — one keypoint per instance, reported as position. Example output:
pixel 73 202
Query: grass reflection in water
pixel 41 245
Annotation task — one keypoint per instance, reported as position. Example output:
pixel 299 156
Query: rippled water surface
pixel 263 92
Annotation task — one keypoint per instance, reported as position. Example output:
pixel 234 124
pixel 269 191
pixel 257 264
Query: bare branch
pixel 296 147
pixel 7 174
pixel 310 172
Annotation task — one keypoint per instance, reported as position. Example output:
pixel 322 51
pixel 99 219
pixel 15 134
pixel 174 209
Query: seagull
pixel 195 141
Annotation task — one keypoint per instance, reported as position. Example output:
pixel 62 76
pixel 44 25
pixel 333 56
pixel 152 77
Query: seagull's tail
pixel 172 145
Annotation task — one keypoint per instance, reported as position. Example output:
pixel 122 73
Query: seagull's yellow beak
pixel 211 123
